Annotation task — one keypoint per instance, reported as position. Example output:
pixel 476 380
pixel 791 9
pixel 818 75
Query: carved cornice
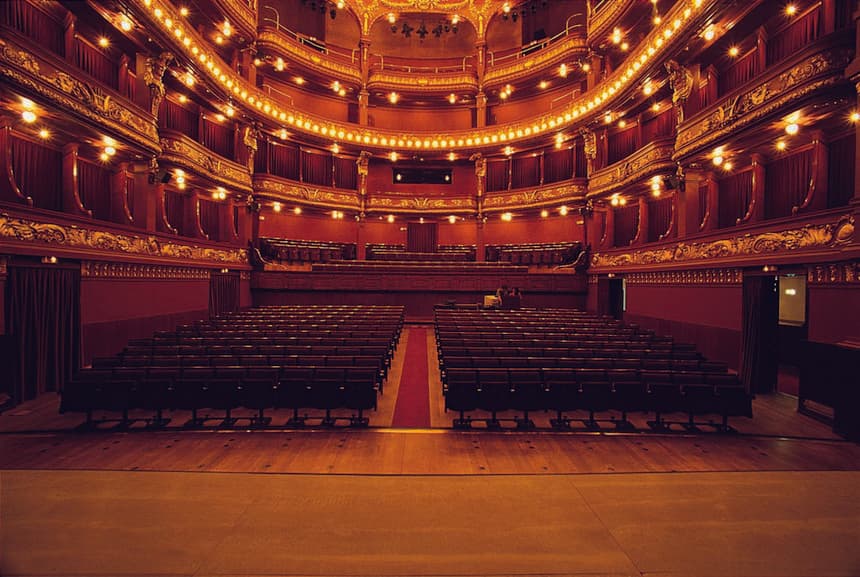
pixel 131 270
pixel 394 202
pixel 425 82
pixel 733 113
pixel 196 158
pixel 271 40
pixel 21 230
pixel 652 158
pixel 711 276
pixel 73 95
pixel 570 47
pixel 535 197
pixel 282 189
pixel 840 273
pixel 811 236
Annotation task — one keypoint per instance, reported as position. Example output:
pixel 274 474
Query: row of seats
pixel 564 390
pixel 159 389
pixel 537 254
pixel 304 251
pixel 500 360
pixel 208 364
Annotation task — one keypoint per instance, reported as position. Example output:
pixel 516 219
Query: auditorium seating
pixel 293 357
pixel 565 360
pixel 535 254
pixel 398 252
pixel 305 251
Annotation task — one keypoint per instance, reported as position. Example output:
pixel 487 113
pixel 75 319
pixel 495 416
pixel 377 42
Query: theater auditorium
pixel 429 288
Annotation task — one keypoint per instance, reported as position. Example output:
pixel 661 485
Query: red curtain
pixel 841 167
pixel 174 207
pixel 32 22
pixel 794 36
pixel 735 197
pixel 421 237
pixel 174 116
pixel 787 183
pixel 558 165
pixel 316 168
pixel 497 175
pixel 621 145
pixel 38 172
pixel 525 171
pixel 284 160
pixel 209 218
pixel 626 224
pixel 659 217
pixel 94 188
pixel 659 126
pixel 43 317
pixel 218 137
pixel 96 63
pixel 740 72
pixel 345 173
pixel 223 293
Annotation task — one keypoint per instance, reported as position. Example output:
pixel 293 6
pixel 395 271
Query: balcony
pixel 285 190
pixel 196 158
pixel 653 158
pixel 569 191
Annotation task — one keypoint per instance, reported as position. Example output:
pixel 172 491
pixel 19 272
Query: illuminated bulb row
pixel 233 84
pixel 219 194
pixel 337 215
pixel 616 200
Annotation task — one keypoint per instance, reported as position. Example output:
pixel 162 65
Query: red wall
pixel 708 316
pixel 308 227
pixel 116 310
pixel 521 230
pixel 833 313
pixel 457 117
pixel 462 232
pixel 380 231
pixel 380 178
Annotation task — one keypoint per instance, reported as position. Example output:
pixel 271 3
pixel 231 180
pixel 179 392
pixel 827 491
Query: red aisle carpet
pixel 412 409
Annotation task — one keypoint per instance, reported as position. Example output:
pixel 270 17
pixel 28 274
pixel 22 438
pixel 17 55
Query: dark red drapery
pixel 345 173
pixel 626 224
pixel 38 172
pixel 787 182
pixel 316 168
pixel 658 126
pixel 739 72
pixel 622 144
pixel 840 168
pixel 32 22
pixel 497 175
pixel 525 171
pixel 558 165
pixel 209 218
pixel 174 207
pixel 223 293
pixel 96 63
pixel 794 36
pixel 735 197
pixel 218 137
pixel 579 161
pixel 43 317
pixel 174 116
pixel 421 237
pixel 659 217
pixel 94 188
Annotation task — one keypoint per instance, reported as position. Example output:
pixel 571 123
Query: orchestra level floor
pixel 778 498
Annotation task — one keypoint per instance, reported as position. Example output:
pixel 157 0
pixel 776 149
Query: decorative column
pixel 480 177
pixel 363 98
pixel 71 196
pixel 681 82
pixel 363 164
pixel 481 109
pixel 153 74
pixel 589 141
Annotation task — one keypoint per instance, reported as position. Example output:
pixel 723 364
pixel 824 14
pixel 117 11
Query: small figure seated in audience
pixel 512 299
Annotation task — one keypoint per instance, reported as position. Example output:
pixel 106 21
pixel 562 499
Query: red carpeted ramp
pixel 412 409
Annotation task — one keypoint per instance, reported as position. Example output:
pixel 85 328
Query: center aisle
pixel 412 409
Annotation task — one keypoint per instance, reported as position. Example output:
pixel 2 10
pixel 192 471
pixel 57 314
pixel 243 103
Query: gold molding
pixel 810 236
pixel 76 237
pixel 656 156
pixel 735 112
pixel 394 202
pixel 570 48
pixel 270 38
pixel 601 20
pixel 194 157
pixel 132 270
pixel 241 12
pixel 534 197
pixel 283 189
pixel 711 276
pixel 834 273
pixel 430 82
pixel 71 94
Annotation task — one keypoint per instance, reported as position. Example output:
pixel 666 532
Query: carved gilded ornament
pixel 153 77
pixel 731 114
pixel 532 197
pixel 394 201
pixel 128 270
pixel 195 157
pixel 600 20
pixel 241 12
pixel 830 235
pixel 834 273
pixel 286 189
pixel 654 157
pixel 76 96
pixel 427 81
pixel 269 38
pixel 571 47
pixel 721 276
pixel 73 236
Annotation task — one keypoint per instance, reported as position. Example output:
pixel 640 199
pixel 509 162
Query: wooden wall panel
pixel 520 230
pixel 305 227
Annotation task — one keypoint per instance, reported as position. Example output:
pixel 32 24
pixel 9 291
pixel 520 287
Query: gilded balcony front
pixel 192 156
pixel 653 158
